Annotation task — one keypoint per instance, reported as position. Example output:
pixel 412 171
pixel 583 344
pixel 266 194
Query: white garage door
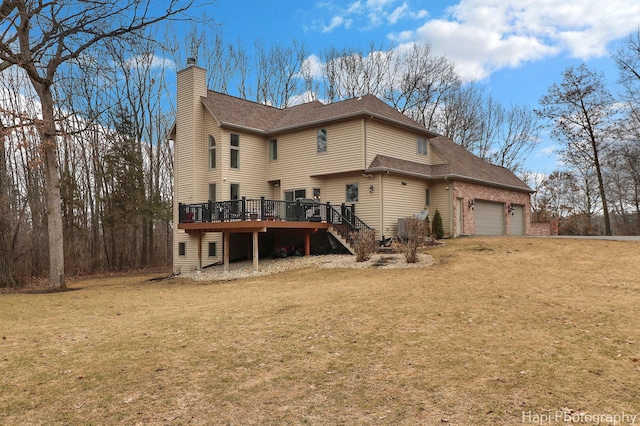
pixel 489 218
pixel 517 220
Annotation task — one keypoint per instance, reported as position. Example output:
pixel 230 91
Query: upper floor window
pixel 273 149
pixel 234 154
pixel 322 140
pixel 422 146
pixel 351 193
pixel 212 152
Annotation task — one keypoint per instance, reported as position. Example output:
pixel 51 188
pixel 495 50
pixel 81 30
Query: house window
pixel 427 198
pixel 212 192
pixel 322 140
pixel 422 146
pixel 273 149
pixel 212 250
pixel 316 193
pixel 234 153
pixel 352 193
pixel 295 194
pixel 235 191
pixel 212 152
pixel 182 249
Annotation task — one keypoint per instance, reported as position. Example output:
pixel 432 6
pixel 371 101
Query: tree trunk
pixel 7 267
pixel 47 131
pixel 603 196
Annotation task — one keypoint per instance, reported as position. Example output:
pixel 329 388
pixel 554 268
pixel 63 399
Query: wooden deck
pixel 261 215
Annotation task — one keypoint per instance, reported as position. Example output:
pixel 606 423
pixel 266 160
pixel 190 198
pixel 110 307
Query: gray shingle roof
pixel 252 116
pixel 461 165
pixel 236 112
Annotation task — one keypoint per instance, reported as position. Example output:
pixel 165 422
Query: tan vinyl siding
pixel 189 262
pixel 435 157
pixel 190 133
pixel 250 174
pixel 189 171
pixel 401 201
pixel 298 159
pixel 368 205
pixel 212 128
pixel 398 143
pixel 441 200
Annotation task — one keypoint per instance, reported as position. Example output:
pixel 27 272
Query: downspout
pixel 451 190
pixel 381 210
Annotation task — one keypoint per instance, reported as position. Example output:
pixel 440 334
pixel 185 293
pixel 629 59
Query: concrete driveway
pixel 602 237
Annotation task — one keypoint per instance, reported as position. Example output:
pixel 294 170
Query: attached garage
pixel 516 226
pixel 489 218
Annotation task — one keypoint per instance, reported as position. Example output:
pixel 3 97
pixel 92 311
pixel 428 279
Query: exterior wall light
pixel 471 204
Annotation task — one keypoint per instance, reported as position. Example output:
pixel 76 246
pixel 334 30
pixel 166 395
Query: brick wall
pixel 470 191
pixel 546 228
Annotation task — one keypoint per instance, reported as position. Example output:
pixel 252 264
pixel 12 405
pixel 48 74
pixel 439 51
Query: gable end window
pixel 422 146
pixel 212 152
pixel 234 154
pixel 273 149
pixel 321 140
pixel 351 193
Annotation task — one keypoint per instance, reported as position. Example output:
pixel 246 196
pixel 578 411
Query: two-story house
pixel 235 160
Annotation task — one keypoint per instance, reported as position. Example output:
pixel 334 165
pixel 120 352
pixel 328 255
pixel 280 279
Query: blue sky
pixel 515 48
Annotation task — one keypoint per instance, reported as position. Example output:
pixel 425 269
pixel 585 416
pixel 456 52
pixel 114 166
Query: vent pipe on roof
pixel 191 62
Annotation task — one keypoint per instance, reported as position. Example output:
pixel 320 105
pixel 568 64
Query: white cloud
pixel 365 15
pixel 482 36
pixel 402 37
pixel 336 21
pixel 314 66
pixel 479 51
pixel 397 13
pixel 150 60
pixel 546 151
pixel 421 14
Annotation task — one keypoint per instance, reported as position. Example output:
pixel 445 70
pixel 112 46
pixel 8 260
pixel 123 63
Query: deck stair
pixel 345 226
pixel 338 236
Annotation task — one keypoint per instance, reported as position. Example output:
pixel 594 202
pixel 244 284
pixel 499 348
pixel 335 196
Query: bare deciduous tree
pixel 41 37
pixel 7 268
pixel 581 113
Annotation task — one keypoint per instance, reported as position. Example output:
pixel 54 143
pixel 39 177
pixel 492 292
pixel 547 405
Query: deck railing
pixel 342 217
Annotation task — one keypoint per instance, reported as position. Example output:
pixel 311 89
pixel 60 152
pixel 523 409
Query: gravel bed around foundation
pixel 269 266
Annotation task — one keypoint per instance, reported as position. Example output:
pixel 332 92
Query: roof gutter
pixel 245 128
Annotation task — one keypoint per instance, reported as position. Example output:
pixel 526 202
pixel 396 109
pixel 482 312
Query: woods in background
pixel 113 108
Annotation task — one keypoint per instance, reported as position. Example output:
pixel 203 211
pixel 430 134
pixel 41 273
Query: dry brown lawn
pixel 498 328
